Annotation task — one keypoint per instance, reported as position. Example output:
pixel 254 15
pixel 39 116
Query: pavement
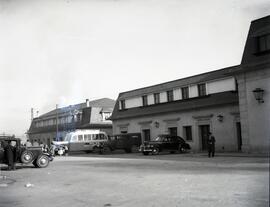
pixel 119 179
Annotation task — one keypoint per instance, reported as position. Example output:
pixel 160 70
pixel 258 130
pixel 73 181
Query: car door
pixel 171 143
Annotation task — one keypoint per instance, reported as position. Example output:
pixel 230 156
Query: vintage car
pixel 164 143
pixel 25 155
pixel 128 142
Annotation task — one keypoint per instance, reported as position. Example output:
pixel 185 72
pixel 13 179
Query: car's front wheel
pixel 42 161
pixel 155 151
pixel 181 149
pixel 26 157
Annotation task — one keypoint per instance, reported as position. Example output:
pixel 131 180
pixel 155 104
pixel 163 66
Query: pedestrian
pixel 9 152
pixel 28 143
pixel 35 144
pixel 211 145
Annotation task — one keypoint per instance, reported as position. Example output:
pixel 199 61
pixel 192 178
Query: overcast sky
pixel 64 51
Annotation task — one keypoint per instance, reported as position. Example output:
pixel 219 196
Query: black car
pixel 25 155
pixel 165 143
pixel 128 142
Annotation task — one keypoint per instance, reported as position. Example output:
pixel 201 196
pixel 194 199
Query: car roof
pixel 8 138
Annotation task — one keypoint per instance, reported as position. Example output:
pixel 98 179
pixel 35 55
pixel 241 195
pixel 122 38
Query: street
pixel 136 180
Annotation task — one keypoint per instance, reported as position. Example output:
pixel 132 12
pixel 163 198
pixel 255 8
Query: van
pixel 85 140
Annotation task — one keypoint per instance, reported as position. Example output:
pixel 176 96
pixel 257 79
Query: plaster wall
pixel 225 131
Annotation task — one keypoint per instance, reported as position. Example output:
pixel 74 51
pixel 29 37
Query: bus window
pixel 89 137
pixel 101 136
pixel 85 137
pixel 74 138
pixel 80 138
pixel 95 136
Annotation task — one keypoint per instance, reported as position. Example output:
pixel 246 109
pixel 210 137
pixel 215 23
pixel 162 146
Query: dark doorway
pixel 204 131
pixel 146 134
pixel 173 131
pixel 239 136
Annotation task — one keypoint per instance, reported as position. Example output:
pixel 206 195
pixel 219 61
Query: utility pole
pixel 56 122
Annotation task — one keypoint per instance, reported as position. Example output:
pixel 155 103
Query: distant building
pixel 220 101
pixel 55 124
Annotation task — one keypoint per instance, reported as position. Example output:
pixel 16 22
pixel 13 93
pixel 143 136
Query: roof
pixel 103 103
pixel 251 55
pixel 212 100
pixel 217 74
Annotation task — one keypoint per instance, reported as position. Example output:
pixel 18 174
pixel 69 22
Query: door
pixel 204 131
pixel 239 135
pixel 146 134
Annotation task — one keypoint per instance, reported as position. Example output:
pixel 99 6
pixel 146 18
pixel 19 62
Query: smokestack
pixel 87 102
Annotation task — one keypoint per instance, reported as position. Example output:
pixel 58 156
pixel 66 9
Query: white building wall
pixel 255 117
pixel 221 85
pixel 224 132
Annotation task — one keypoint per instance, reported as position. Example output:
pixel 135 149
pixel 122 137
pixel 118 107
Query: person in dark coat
pixel 9 151
pixel 211 145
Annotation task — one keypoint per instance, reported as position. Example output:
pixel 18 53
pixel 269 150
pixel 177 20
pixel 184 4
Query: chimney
pixel 32 114
pixel 87 102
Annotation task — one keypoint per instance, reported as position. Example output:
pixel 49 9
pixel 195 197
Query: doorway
pixel 204 132
pixel 146 134
pixel 239 135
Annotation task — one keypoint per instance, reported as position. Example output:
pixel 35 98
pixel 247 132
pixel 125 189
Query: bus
pixel 85 140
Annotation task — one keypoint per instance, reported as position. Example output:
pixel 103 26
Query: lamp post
pixel 258 93
pixel 56 122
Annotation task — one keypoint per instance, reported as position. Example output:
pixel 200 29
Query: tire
pixel 180 149
pixel 26 157
pixel 145 153
pixel 42 161
pixel 155 151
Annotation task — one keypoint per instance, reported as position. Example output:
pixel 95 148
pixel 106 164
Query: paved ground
pixel 136 180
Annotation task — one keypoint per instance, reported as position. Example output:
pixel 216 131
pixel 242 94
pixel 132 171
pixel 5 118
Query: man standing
pixel 9 154
pixel 211 145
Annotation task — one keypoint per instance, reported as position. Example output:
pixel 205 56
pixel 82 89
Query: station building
pixel 233 103
pixel 55 124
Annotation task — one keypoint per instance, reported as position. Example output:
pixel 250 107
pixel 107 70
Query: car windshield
pixel 159 139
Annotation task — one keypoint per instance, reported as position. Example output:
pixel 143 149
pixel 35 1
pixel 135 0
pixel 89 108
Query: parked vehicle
pixel 26 155
pixel 85 140
pixel 128 142
pixel 59 149
pixel 165 143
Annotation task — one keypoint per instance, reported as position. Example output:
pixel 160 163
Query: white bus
pixel 86 140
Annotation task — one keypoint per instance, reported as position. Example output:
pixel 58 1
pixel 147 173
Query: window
pixel 170 96
pixel 202 89
pixel 185 93
pixel 80 138
pixel 156 98
pixel 122 104
pixel 85 137
pixel 264 43
pixel 173 131
pixel 187 133
pixel 144 100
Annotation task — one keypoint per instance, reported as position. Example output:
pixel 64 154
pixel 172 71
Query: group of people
pixel 10 154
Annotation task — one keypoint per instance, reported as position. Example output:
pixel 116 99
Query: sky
pixel 65 51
